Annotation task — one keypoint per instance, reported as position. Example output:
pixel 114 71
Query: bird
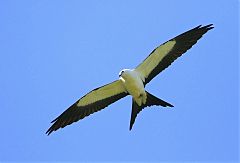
pixel 132 82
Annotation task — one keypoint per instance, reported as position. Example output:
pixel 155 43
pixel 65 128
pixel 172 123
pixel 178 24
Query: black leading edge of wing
pixel 184 42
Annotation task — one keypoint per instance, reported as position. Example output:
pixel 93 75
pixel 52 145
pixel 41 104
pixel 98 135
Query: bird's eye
pixel 120 73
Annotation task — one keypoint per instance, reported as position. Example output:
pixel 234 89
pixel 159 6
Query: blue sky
pixel 54 52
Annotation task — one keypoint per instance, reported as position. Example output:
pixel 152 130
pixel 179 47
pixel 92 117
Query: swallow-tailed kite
pixel 132 82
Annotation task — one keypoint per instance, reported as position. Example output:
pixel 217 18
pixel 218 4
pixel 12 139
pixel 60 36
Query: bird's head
pixel 122 72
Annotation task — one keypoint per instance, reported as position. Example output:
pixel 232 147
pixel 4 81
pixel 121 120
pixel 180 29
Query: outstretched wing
pixel 161 57
pixel 94 101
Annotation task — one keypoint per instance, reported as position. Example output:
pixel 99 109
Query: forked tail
pixel 151 100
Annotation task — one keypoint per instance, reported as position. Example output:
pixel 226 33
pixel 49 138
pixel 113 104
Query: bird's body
pixel 132 82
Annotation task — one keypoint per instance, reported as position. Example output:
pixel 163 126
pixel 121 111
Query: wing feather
pixel 94 101
pixel 161 57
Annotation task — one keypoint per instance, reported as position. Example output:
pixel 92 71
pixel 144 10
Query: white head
pixel 123 72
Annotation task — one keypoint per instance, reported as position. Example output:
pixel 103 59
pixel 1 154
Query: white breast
pixel 134 85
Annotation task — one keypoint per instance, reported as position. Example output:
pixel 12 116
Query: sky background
pixel 54 52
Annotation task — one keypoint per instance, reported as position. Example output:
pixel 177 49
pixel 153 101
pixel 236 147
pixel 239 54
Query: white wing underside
pixel 151 62
pixel 102 93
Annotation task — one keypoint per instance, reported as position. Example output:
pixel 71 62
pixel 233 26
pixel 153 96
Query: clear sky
pixel 54 52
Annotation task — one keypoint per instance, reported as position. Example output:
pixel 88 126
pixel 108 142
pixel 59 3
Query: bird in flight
pixel 132 82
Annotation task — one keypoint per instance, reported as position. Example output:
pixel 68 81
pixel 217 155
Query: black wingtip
pixel 53 127
pixel 49 131
pixel 208 27
pixel 130 128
